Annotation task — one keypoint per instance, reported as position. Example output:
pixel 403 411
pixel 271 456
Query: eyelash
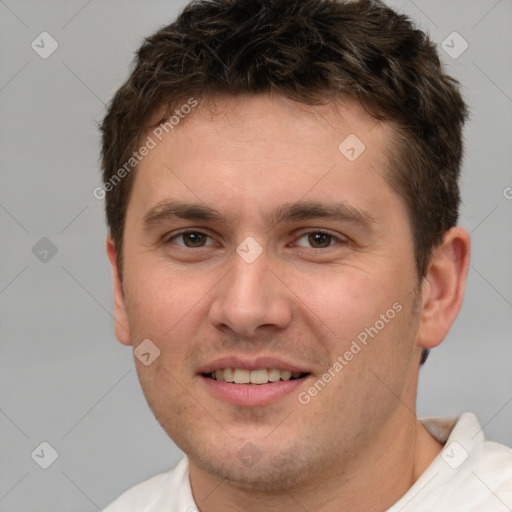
pixel 302 234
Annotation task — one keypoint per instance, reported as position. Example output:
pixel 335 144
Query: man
pixel 282 195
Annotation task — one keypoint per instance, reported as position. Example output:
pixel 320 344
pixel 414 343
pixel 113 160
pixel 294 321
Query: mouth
pixel 256 377
pixel 252 383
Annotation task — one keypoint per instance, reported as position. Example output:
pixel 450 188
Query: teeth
pixel 241 376
pixel 228 375
pixel 260 376
pixel 286 374
pixel 274 375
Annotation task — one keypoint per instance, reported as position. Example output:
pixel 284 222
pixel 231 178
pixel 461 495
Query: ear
pixel 443 287
pixel 121 325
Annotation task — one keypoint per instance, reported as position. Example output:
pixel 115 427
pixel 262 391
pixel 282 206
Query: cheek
pixel 159 299
pixel 342 302
pixel 170 309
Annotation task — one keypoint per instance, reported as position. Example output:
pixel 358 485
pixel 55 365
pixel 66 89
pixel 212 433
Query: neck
pixel 380 474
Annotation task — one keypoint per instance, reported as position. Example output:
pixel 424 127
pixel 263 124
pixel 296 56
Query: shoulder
pixel 471 474
pixel 139 497
pixel 478 468
pixel 484 479
pixel 491 466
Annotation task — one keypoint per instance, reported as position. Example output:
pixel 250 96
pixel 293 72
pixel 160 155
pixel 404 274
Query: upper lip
pixel 255 363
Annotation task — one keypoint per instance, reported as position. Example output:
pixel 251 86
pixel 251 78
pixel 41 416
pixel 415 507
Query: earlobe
pixel 443 287
pixel 121 326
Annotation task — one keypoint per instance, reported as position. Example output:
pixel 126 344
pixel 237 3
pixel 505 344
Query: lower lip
pixel 252 395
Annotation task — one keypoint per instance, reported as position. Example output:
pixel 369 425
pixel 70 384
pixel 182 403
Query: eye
pixel 189 239
pixel 318 240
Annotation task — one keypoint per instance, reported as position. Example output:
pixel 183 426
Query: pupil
pixel 194 238
pixel 319 239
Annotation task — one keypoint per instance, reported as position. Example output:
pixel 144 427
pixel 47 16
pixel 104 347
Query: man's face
pixel 271 282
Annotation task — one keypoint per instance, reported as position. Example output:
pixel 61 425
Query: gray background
pixel 64 377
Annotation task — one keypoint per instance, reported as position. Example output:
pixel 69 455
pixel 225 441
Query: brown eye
pixel 319 240
pixel 190 239
pixel 194 239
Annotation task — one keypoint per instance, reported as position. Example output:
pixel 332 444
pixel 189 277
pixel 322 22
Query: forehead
pixel 248 111
pixel 239 153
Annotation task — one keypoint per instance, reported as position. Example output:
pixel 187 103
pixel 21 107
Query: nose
pixel 251 299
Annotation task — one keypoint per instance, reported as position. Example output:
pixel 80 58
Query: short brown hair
pixel 311 51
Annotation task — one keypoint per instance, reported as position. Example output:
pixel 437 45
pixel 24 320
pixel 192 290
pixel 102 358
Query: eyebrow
pixel 303 210
pixel 168 210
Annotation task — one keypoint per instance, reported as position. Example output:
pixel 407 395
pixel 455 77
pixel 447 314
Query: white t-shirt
pixel 469 475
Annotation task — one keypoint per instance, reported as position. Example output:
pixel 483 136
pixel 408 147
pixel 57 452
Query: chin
pixel 266 473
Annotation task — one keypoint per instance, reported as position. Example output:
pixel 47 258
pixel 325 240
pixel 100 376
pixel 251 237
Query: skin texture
pixel 357 444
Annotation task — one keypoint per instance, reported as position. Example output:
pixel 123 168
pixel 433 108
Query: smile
pixel 259 376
